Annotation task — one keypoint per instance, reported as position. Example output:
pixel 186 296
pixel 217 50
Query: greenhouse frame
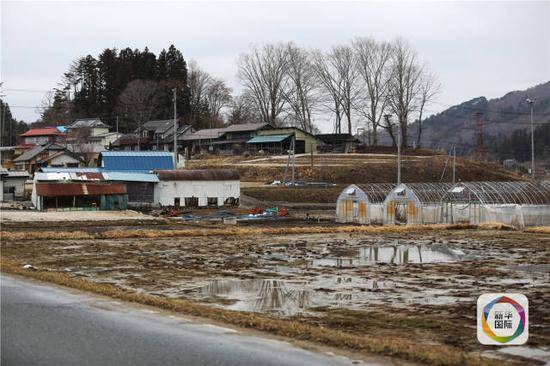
pixel 362 203
pixel 415 203
pixel 518 204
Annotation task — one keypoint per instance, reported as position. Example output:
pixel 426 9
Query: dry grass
pixel 496 226
pixel 358 169
pixel 403 348
pixel 226 231
pixel 538 230
pixel 288 194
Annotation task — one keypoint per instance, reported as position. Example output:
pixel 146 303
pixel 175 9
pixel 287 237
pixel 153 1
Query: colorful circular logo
pixel 485 317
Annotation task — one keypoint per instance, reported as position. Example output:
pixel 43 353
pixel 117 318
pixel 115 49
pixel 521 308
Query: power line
pixel 28 90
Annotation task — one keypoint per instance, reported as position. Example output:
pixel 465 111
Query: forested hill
pixel 505 120
pixel 132 84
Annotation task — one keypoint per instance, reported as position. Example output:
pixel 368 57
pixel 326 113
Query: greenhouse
pixel 362 203
pixel 518 204
pixel 415 203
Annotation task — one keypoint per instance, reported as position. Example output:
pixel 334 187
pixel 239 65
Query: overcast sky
pixel 475 48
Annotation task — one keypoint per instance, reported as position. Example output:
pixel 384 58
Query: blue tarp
pixel 267 139
pixel 137 161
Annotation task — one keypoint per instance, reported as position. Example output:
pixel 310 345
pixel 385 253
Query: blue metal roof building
pixel 136 161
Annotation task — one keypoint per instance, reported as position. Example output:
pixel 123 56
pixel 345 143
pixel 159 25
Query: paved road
pixel 43 325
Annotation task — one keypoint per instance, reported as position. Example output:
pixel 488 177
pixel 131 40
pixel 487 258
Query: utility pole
pixel 531 102
pixel 117 127
pixel 388 122
pixel 175 130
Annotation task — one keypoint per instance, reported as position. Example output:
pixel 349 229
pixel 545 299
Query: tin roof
pixel 44 131
pixel 138 161
pixel 78 189
pixel 87 123
pixel 202 174
pixel 266 139
pixel 131 177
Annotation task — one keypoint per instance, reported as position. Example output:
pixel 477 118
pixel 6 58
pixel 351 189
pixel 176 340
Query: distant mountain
pixel 500 117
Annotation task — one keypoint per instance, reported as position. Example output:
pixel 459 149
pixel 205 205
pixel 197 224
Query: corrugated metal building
pixel 198 188
pixel 362 203
pixel 84 196
pixel 140 187
pixel 136 161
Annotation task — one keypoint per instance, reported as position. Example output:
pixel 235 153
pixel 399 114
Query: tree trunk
pixel 404 139
pixel 419 126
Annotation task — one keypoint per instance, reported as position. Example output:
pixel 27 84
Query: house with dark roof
pixel 336 142
pixel 49 154
pixel 278 140
pixel 96 125
pixel 226 140
pixel 154 135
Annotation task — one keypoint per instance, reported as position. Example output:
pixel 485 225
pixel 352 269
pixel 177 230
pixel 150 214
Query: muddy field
pixel 421 284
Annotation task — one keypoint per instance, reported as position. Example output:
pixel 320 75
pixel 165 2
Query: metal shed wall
pixel 136 160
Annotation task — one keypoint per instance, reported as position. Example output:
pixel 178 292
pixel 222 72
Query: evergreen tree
pixel 10 129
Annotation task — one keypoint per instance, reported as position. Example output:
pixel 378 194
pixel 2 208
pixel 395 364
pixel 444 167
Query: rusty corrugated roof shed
pixel 202 174
pixel 78 189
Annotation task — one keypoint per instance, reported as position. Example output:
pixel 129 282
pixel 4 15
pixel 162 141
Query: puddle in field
pixel 289 297
pixel 394 254
pixel 541 354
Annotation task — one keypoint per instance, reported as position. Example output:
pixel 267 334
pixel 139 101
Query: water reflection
pixel 396 254
pixel 261 295
pixel 289 297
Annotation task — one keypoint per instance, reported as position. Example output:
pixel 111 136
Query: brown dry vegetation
pixel 298 195
pixel 225 231
pixel 402 347
pixel 359 169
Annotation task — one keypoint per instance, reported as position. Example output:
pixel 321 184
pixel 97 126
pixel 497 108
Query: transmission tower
pixel 478 153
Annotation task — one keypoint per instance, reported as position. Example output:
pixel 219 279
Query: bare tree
pixel 242 110
pixel 337 73
pixel 263 74
pixel 198 81
pixel 429 89
pixel 331 87
pixel 372 62
pixel 218 96
pixel 343 60
pixel 138 99
pixel 301 93
pixel 404 85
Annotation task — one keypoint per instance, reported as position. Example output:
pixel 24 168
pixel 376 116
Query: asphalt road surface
pixel 46 325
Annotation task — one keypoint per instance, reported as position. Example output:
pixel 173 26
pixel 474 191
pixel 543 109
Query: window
pixel 177 202
pixel 212 201
pixel 191 202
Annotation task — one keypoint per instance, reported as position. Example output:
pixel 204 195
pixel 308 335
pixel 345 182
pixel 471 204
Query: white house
pixel 12 184
pixel 197 188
